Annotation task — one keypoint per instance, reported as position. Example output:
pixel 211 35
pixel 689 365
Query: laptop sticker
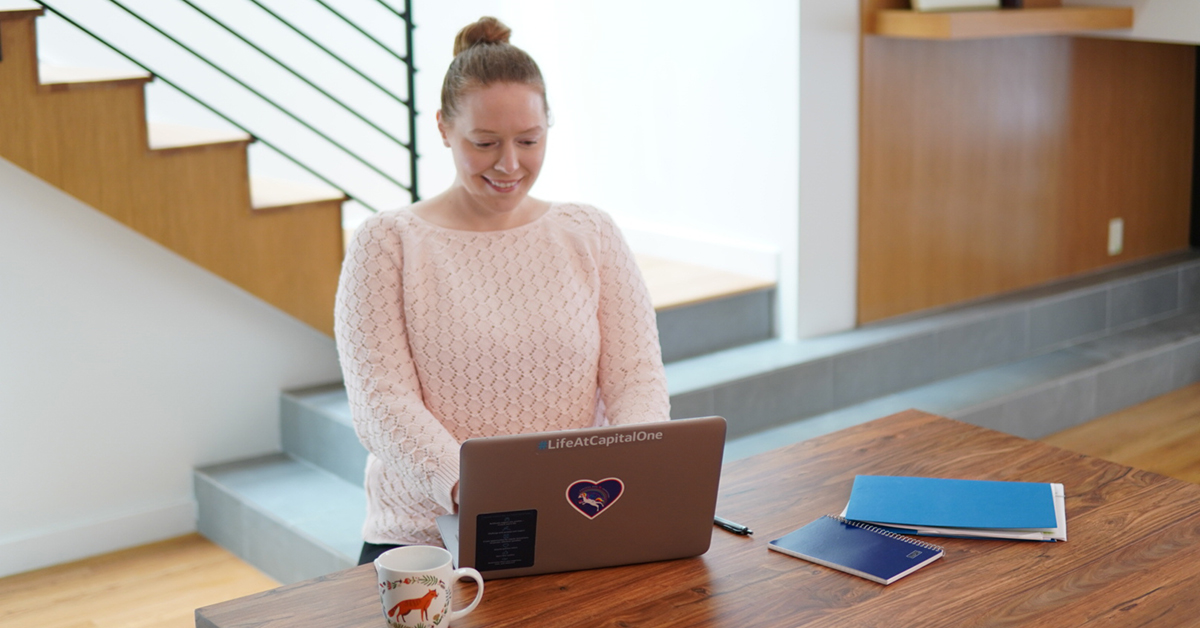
pixel 591 497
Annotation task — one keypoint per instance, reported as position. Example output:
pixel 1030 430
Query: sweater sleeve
pixel 632 382
pixel 390 416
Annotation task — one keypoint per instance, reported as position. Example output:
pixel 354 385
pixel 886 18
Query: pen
pixel 735 528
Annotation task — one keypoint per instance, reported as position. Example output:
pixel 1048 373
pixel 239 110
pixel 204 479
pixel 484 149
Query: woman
pixel 484 311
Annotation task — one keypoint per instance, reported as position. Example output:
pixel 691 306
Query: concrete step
pixel 701 310
pixel 291 520
pixel 1033 397
pixel 316 427
pixel 766 384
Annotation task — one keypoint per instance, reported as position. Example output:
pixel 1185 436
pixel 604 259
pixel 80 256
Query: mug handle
pixel 459 574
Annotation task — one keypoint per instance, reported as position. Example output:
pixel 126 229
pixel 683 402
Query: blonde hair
pixel 483 56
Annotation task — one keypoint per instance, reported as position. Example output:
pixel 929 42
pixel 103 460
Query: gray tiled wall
pixel 913 352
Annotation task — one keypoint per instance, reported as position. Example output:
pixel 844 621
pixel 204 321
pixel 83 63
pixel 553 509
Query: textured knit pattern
pixel 446 335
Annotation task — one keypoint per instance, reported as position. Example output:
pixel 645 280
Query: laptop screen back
pixel 581 499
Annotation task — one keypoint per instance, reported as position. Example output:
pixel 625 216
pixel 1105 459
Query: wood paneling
pixel 993 165
pixel 89 139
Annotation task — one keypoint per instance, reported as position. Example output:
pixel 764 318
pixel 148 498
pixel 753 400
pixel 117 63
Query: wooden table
pixel 1133 557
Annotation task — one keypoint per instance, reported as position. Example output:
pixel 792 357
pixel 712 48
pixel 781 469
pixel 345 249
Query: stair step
pixel 57 78
pixel 163 136
pixel 21 11
pixel 1033 397
pixel 675 284
pixel 702 310
pixel 289 519
pixel 316 426
pixel 272 194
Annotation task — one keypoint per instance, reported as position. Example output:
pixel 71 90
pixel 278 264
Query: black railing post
pixel 412 101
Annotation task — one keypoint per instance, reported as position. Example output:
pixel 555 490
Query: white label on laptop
pixel 592 497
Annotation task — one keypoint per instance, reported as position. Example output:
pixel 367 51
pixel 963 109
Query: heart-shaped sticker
pixel 592 497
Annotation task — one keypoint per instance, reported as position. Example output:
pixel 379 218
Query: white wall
pixel 680 119
pixel 826 262
pixel 1172 21
pixel 122 367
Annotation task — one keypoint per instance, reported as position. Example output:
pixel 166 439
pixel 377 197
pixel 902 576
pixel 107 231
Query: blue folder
pixel 947 503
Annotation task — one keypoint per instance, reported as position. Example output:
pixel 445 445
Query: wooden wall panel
pixel 992 165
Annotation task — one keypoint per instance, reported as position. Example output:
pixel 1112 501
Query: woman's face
pixel 498 139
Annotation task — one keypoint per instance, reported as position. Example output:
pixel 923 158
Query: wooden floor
pixel 159 585
pixel 1161 435
pixel 152 586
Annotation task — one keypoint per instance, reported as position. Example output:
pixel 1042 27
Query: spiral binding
pixel 878 530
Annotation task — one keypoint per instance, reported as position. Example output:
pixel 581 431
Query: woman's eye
pixel 483 144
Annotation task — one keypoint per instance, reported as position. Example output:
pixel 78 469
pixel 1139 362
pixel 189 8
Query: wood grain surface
pixel 1133 555
pixel 993 165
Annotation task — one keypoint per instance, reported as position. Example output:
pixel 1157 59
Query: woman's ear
pixel 442 128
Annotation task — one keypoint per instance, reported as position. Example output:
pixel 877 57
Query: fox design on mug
pixel 405 607
pixel 397 614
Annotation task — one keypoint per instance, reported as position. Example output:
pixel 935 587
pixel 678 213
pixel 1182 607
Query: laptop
pixel 582 499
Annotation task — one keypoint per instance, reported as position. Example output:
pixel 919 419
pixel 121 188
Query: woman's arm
pixel 390 416
pixel 632 382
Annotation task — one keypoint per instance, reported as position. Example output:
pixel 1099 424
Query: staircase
pixel 85 132
pixel 1029 364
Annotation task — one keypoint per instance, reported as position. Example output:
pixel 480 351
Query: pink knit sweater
pixel 446 335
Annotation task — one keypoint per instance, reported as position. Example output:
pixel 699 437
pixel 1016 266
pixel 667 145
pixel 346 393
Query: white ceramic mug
pixel 416 586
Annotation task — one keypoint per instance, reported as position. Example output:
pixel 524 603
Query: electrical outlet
pixel 1116 236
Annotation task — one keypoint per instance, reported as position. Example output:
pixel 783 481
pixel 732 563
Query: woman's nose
pixel 507 163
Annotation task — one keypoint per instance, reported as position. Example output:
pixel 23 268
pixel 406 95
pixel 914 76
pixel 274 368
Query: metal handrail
pixel 286 67
pixel 409 146
pixel 365 33
pixel 333 55
pixel 254 91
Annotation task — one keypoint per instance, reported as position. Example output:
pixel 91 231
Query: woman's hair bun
pixel 486 30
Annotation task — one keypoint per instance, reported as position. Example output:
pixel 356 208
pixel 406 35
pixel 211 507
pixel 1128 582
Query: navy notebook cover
pixel 939 502
pixel 857 548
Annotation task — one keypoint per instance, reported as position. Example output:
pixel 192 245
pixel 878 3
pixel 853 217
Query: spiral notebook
pixel 857 548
